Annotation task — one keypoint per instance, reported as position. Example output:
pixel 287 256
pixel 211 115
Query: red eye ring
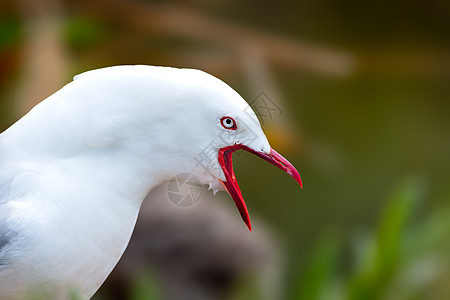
pixel 228 123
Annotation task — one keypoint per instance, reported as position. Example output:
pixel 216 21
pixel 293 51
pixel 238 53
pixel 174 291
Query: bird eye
pixel 228 123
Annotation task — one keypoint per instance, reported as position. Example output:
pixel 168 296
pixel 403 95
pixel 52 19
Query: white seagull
pixel 75 169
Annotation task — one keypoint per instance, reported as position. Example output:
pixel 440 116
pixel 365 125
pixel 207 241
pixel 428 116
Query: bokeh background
pixel 362 91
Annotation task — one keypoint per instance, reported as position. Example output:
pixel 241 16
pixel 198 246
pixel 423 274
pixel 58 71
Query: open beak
pixel 230 183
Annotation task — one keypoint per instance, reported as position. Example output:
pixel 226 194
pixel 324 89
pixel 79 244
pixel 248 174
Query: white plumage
pixel 75 170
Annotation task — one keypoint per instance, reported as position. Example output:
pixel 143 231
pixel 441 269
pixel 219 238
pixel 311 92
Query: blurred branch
pixel 176 20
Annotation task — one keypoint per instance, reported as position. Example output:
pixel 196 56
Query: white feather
pixel 80 163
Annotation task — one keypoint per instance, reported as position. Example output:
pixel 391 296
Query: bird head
pixel 160 121
pixel 216 122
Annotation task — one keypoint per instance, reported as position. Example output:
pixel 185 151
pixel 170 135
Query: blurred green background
pixel 364 91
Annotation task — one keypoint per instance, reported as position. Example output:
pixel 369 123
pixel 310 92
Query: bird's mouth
pixel 230 183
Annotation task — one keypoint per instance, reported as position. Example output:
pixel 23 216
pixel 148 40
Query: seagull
pixel 75 169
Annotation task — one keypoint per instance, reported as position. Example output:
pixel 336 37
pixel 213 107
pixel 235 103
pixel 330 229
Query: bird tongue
pixel 230 183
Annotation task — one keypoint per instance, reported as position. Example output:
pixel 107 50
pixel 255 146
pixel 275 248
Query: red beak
pixel 230 183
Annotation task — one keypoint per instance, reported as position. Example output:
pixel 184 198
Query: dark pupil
pixel 228 121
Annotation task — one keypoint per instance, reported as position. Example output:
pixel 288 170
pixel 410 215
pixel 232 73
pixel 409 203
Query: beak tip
pixel 297 178
pixel 249 226
pixel 230 183
pixel 246 219
pixel 282 163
